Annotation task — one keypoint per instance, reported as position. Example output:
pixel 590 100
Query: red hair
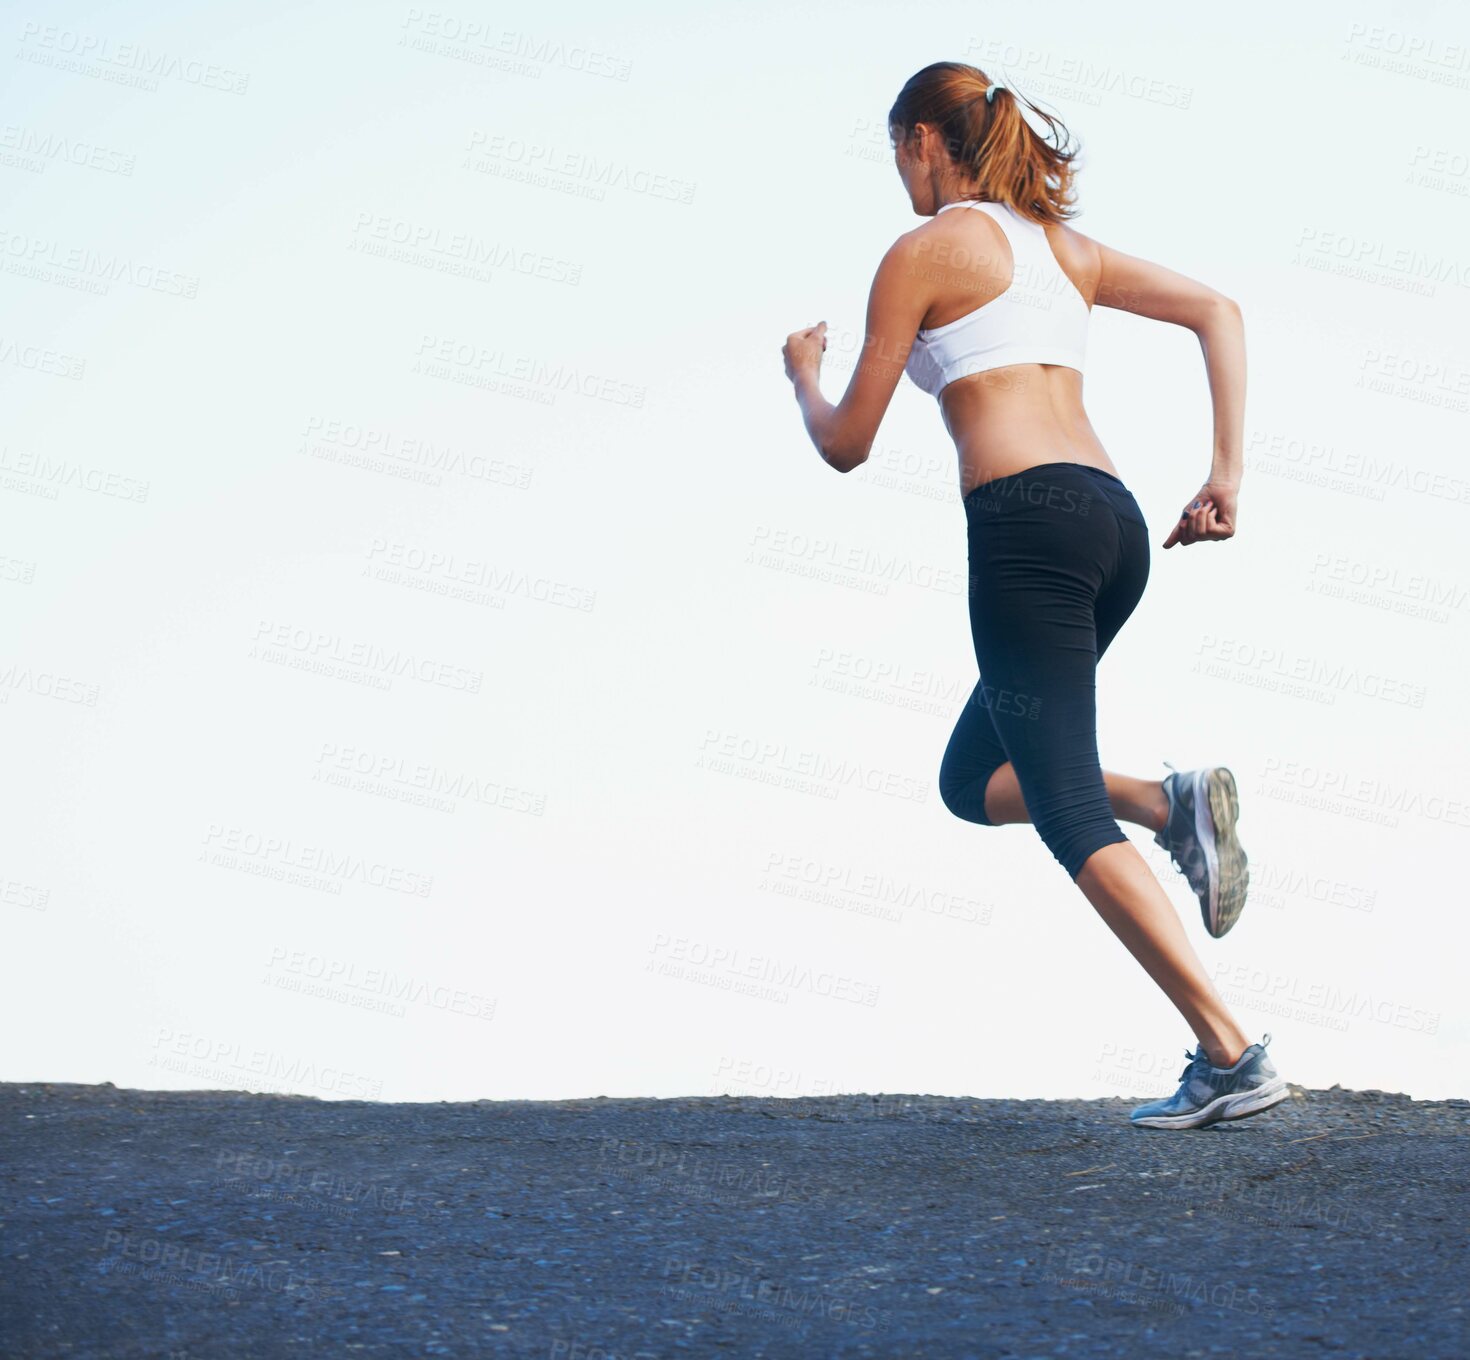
pixel 990 141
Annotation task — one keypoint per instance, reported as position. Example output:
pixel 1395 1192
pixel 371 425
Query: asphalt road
pixel 187 1225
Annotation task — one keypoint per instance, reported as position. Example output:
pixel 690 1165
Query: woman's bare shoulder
pixel 1079 256
pixel 1132 284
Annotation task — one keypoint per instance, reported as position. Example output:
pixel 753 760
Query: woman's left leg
pixel 977 780
pixel 1140 801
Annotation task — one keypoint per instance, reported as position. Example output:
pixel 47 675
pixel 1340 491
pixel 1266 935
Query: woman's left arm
pixel 897 301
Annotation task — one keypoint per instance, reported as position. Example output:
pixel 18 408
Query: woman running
pixel 986 308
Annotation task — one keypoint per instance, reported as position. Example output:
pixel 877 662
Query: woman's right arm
pixel 1129 284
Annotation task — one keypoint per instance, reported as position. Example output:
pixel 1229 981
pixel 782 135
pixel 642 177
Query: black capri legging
pixel 1059 557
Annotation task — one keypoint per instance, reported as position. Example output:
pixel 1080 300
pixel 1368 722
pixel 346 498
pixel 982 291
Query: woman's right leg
pixel 1126 894
pixel 1118 881
pixel 1124 891
pixel 1053 578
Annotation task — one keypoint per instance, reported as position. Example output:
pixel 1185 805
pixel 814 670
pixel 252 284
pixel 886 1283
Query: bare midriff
pixel 1006 420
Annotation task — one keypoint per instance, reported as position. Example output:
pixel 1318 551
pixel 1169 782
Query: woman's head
pixel 951 142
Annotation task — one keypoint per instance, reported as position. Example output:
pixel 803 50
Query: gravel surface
pixel 197 1224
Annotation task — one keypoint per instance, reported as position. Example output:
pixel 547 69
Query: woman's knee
pixel 1072 841
pixel 964 795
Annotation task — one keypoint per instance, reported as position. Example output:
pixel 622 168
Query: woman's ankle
pixel 1225 1052
pixel 1140 801
pixel 1157 807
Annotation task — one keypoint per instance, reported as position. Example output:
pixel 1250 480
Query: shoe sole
pixel 1224 854
pixel 1205 834
pixel 1239 1105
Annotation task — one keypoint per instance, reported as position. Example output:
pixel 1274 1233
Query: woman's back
pixel 1040 316
pixel 988 309
pixel 1004 339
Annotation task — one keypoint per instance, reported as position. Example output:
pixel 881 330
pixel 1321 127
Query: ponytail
pixel 990 141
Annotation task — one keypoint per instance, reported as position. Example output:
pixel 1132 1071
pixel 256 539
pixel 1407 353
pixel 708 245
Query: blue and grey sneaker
pixel 1200 838
pixel 1208 1094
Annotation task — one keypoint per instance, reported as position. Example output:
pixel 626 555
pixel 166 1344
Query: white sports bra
pixel 1041 318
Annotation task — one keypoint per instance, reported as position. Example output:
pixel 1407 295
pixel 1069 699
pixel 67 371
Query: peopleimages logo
pixel 345 978
pixel 1139 1280
pixel 726 751
pixel 723 966
pixel 1335 788
pixel 1261 987
pixel 225 1059
pixel 70 48
pixel 1038 491
pixel 179 1263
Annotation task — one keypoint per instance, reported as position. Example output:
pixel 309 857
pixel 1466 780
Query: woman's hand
pixel 803 350
pixel 1209 517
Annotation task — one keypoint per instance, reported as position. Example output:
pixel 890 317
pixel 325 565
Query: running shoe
pixel 1209 1095
pixel 1200 838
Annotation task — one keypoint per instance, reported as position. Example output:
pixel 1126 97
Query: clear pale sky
pixel 438 665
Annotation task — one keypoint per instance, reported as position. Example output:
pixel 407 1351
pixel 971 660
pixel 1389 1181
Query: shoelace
pixel 1181 862
pixel 1170 815
pixel 1188 864
pixel 1199 1058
